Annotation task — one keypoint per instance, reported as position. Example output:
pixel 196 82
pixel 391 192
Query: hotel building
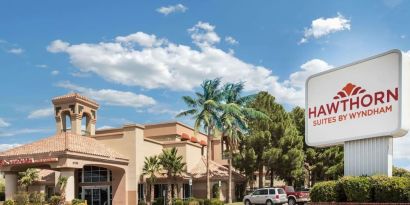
pixel 105 166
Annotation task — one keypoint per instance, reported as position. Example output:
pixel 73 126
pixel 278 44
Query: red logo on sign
pixel 349 90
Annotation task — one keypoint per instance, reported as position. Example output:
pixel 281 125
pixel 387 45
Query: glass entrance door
pixel 97 195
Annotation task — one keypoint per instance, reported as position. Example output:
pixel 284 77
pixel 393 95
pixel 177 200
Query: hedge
pixel 395 189
pixel 363 189
pixel 324 191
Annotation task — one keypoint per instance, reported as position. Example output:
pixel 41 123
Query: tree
pixel 151 167
pixel 204 109
pixel 172 163
pixel 265 133
pixel 27 178
pixel 400 172
pixel 289 166
pixel 245 162
pixel 320 163
pixel 62 183
pixel 234 121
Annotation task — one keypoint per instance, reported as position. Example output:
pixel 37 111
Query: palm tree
pixel 151 166
pixel 234 121
pixel 205 110
pixel 173 165
pixel 62 182
pixel 27 178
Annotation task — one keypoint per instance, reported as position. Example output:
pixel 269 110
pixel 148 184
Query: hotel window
pixel 92 174
pixel 50 191
pixel 159 189
pixel 141 192
pixel 187 191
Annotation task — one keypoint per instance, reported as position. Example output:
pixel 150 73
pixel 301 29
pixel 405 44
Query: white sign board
pixel 365 99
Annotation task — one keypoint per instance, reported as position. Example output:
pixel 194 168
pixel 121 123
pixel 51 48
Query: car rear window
pixel 289 189
pixel 281 191
pixel 272 191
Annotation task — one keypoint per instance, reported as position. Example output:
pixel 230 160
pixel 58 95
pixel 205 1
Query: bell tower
pixel 76 114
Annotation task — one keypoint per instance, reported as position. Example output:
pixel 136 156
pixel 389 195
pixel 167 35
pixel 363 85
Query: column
pixel 181 190
pixel 368 157
pixel 11 184
pixel 70 186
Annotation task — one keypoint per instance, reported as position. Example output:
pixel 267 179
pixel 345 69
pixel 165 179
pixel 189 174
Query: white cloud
pixel 16 51
pixel 401 149
pixel 57 46
pixel 4 147
pixel 203 34
pixel 23 131
pixel 298 79
pixel 321 27
pixel 111 97
pixel 55 72
pixel 42 66
pixel 231 40
pixel 407 53
pixel 182 67
pixel 41 113
pixel 142 39
pixel 166 10
pixel 105 127
pixel 3 123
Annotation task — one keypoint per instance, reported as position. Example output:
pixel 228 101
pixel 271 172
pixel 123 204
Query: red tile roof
pixel 215 170
pixel 61 143
pixel 185 136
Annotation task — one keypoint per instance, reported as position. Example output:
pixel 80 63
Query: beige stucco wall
pixel 129 143
pixel 193 156
pixel 162 131
pixel 217 152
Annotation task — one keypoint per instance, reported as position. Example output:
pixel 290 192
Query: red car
pixel 296 197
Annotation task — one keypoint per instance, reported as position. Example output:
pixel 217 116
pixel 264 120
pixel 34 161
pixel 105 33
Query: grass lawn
pixel 235 203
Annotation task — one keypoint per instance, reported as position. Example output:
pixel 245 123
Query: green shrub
pixel 159 201
pixel 216 191
pixel 2 196
pixel 340 192
pixel 178 202
pixel 324 192
pixel 216 202
pixel 77 202
pixel 390 189
pixel 357 189
pixel 139 203
pixel 201 201
pixel 9 202
pixel 54 200
pixel 207 202
pixel 21 198
pixel 36 198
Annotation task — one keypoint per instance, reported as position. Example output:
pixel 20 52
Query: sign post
pixel 362 105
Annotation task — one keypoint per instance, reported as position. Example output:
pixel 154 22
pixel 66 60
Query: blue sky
pixel 150 53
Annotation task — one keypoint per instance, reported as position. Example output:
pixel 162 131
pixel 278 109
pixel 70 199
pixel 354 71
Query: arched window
pixel 66 117
pixel 85 124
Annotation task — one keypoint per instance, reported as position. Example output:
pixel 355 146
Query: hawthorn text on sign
pixel 5 162
pixel 362 100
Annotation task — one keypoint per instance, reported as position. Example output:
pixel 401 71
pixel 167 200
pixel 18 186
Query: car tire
pixel 247 202
pixel 291 201
pixel 269 202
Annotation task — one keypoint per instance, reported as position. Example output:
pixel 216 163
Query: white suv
pixel 268 196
